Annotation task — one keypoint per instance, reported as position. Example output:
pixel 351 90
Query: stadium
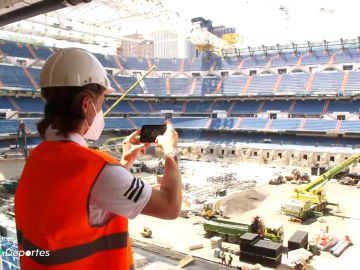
pixel 254 111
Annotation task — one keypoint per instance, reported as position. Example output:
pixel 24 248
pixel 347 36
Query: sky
pixel 265 22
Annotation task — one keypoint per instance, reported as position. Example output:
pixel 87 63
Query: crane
pixel 311 198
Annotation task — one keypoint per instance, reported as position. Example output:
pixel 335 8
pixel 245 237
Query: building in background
pixel 170 45
pixel 143 48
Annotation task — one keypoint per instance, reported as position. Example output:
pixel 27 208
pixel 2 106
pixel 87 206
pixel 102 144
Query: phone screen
pixel 150 132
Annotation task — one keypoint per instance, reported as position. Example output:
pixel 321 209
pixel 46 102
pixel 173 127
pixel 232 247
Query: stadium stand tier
pixel 292 102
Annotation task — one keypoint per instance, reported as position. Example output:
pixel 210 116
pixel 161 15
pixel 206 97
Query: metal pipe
pixel 37 9
pixel 128 91
pixel 342 247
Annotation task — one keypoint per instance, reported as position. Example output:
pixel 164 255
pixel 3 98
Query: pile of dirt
pixel 244 201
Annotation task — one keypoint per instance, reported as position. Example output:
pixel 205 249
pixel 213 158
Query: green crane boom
pixel 314 186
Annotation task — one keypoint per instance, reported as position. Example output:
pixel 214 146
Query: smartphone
pixel 149 133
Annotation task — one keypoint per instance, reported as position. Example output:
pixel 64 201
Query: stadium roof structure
pixel 99 22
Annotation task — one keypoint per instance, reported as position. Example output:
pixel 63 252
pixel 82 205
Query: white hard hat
pixel 73 67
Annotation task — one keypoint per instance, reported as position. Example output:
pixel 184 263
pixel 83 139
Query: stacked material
pixel 265 252
pixel 298 240
pixel 216 242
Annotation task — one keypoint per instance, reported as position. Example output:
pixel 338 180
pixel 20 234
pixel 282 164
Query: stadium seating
pixel 167 105
pixel 8 126
pixel 30 104
pixel 125 83
pixel 262 85
pixel 320 125
pixel 5 103
pixel 327 82
pixel 277 105
pixel 180 86
pixel 233 86
pixel 285 59
pixel 41 51
pixel 168 64
pixel 285 124
pixel 134 63
pixel 15 49
pixel 308 107
pixel 293 83
pixel 156 86
pixel 253 123
pixel 248 106
pixel 353 83
pixel 350 126
pixel 14 76
pixel 343 106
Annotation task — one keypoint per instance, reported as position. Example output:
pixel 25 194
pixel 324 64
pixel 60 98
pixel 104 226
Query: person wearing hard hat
pixel 73 203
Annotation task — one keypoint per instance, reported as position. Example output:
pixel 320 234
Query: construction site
pixel 221 200
pixel 263 146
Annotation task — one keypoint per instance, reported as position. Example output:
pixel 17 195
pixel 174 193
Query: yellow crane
pixel 311 198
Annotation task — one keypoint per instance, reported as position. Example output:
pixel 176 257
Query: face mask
pixel 95 129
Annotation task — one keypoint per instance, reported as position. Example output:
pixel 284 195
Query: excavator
pixel 310 200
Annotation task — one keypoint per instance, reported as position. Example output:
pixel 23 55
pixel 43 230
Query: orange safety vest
pixel 52 212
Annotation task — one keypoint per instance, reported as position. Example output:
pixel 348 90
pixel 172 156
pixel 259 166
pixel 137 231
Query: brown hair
pixel 63 107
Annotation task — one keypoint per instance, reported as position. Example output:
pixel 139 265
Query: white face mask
pixel 95 129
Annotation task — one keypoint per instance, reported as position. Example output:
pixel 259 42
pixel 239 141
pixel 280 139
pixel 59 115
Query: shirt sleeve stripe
pixel 131 186
pixel 140 192
pixel 135 189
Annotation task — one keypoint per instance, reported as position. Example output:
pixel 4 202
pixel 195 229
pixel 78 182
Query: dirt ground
pixel 266 201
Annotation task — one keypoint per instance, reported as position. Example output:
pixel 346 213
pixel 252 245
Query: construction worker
pixel 73 203
pixel 222 257
pixel 230 260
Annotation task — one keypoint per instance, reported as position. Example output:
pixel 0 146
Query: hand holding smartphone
pixel 149 133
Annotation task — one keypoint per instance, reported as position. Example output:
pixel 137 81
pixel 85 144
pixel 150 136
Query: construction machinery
pixel 231 231
pixel 310 200
pixel 146 232
pixel 277 179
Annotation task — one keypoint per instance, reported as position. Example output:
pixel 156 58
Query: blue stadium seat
pixel 353 83
pixel 14 76
pixel 126 82
pixel 112 123
pixel 136 63
pixel 28 104
pixel 320 125
pixel 181 86
pixel 253 123
pixel 276 105
pixel 248 106
pixel 209 86
pixel 293 83
pixel 350 126
pixel 262 84
pixel 233 86
pixel 8 126
pixel 156 86
pixel 168 64
pixel 167 105
pixel 196 107
pixel 344 106
pixel 6 104
pixel 285 124
pixel 308 106
pixel 12 49
pixel 326 82
pixel 42 52
pixel 190 122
